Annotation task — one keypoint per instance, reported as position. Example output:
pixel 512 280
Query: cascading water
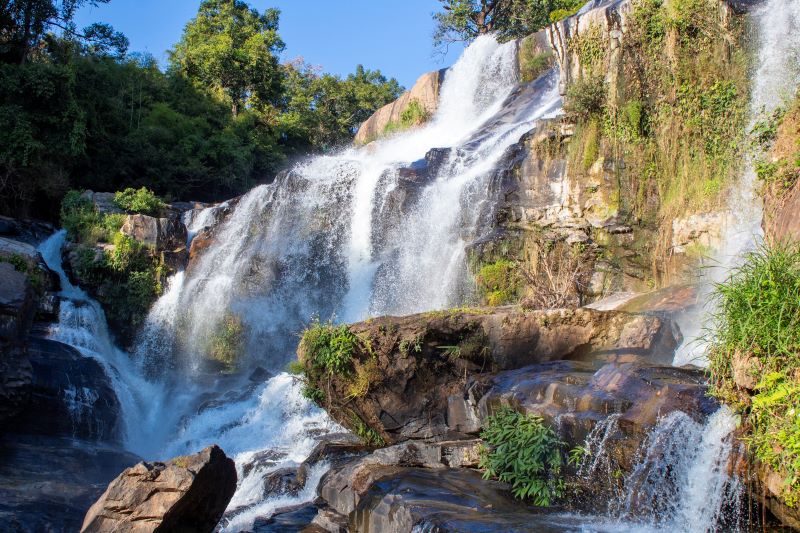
pixel 351 236
pixel 328 238
pixel 774 82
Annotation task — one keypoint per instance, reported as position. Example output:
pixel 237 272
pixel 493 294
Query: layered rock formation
pixel 184 494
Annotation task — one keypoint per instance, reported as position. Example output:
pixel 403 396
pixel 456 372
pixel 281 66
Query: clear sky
pixel 391 35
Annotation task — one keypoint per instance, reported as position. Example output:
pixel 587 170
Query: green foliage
pixel 525 453
pixel 141 200
pixel 233 50
pixel 585 98
pixel 366 433
pixel 464 20
pixel 758 320
pixel 498 282
pixel 313 394
pixel 80 218
pixel 329 349
pixel 413 115
pixel 227 341
pixel 532 63
pixel 74 116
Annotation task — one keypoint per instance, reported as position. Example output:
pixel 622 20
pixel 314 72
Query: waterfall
pixel 343 236
pixel 773 83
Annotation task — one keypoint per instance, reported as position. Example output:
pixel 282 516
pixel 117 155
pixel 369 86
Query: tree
pixel 323 111
pixel 232 49
pixel 24 23
pixel 464 20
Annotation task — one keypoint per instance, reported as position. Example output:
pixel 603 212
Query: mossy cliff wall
pixel 628 188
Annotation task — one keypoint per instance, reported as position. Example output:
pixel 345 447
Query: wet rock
pixel 703 230
pixel 184 494
pixel 17 307
pixel 47 483
pixel 424 360
pixel 413 499
pixel 69 395
pixel 574 396
pixel 30 232
pixel 160 233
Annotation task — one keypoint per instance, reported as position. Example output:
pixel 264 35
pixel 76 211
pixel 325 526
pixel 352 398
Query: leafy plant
pixel 141 200
pixel 329 348
pixel 227 342
pixel 586 97
pixel 498 282
pixel 758 320
pixel 525 453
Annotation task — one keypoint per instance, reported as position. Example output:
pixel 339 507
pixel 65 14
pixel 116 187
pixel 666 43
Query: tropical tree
pixel 24 24
pixel 464 20
pixel 232 49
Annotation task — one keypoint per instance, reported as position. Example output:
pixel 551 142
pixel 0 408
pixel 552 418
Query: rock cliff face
pixel 425 92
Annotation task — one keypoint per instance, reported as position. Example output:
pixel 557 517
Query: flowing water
pixel 371 231
pixel 775 80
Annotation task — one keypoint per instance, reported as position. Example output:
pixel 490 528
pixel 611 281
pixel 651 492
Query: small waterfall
pixel 774 83
pixel 681 481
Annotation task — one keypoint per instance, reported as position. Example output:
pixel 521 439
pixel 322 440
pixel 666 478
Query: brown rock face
pixel 425 91
pixel 422 362
pixel 161 233
pixel 186 494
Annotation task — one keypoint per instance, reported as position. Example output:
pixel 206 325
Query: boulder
pixel 160 233
pixel 421 361
pixel 184 494
pixel 425 91
pixel 69 394
pixel 103 202
pixel 17 307
pixel 31 232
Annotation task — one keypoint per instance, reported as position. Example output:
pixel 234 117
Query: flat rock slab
pixel 416 499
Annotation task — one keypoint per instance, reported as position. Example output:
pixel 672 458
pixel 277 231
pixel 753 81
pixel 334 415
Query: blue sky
pixel 391 35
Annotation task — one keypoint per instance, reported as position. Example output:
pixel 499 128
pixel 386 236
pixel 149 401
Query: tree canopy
pixel 464 20
pixel 232 49
pixel 78 112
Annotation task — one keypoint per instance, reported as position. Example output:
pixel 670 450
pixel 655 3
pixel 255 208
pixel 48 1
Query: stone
pixel 702 229
pixel 412 396
pixel 425 91
pixel 161 233
pixel 187 493
pixel 69 394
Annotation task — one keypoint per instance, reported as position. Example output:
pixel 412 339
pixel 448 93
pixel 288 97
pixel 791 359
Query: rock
pixel 103 202
pixel 47 483
pixel 414 499
pixel 70 395
pixel 703 230
pixel 574 396
pixel 425 91
pixel 17 307
pixel 184 494
pixel 747 370
pixel 161 233
pixel 343 487
pixel 424 360
pixel 30 232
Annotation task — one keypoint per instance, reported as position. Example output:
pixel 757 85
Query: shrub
pixel 586 97
pixel 80 218
pixel 498 282
pixel 328 349
pixel 142 201
pixel 525 453
pixel 413 115
pixel 533 64
pixel 227 342
pixel 758 322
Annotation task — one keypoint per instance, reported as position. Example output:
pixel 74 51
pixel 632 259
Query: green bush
pixel 328 349
pixel 524 453
pixel 142 201
pixel 498 282
pixel 81 219
pixel 413 115
pixel 227 342
pixel 586 98
pixel 758 323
